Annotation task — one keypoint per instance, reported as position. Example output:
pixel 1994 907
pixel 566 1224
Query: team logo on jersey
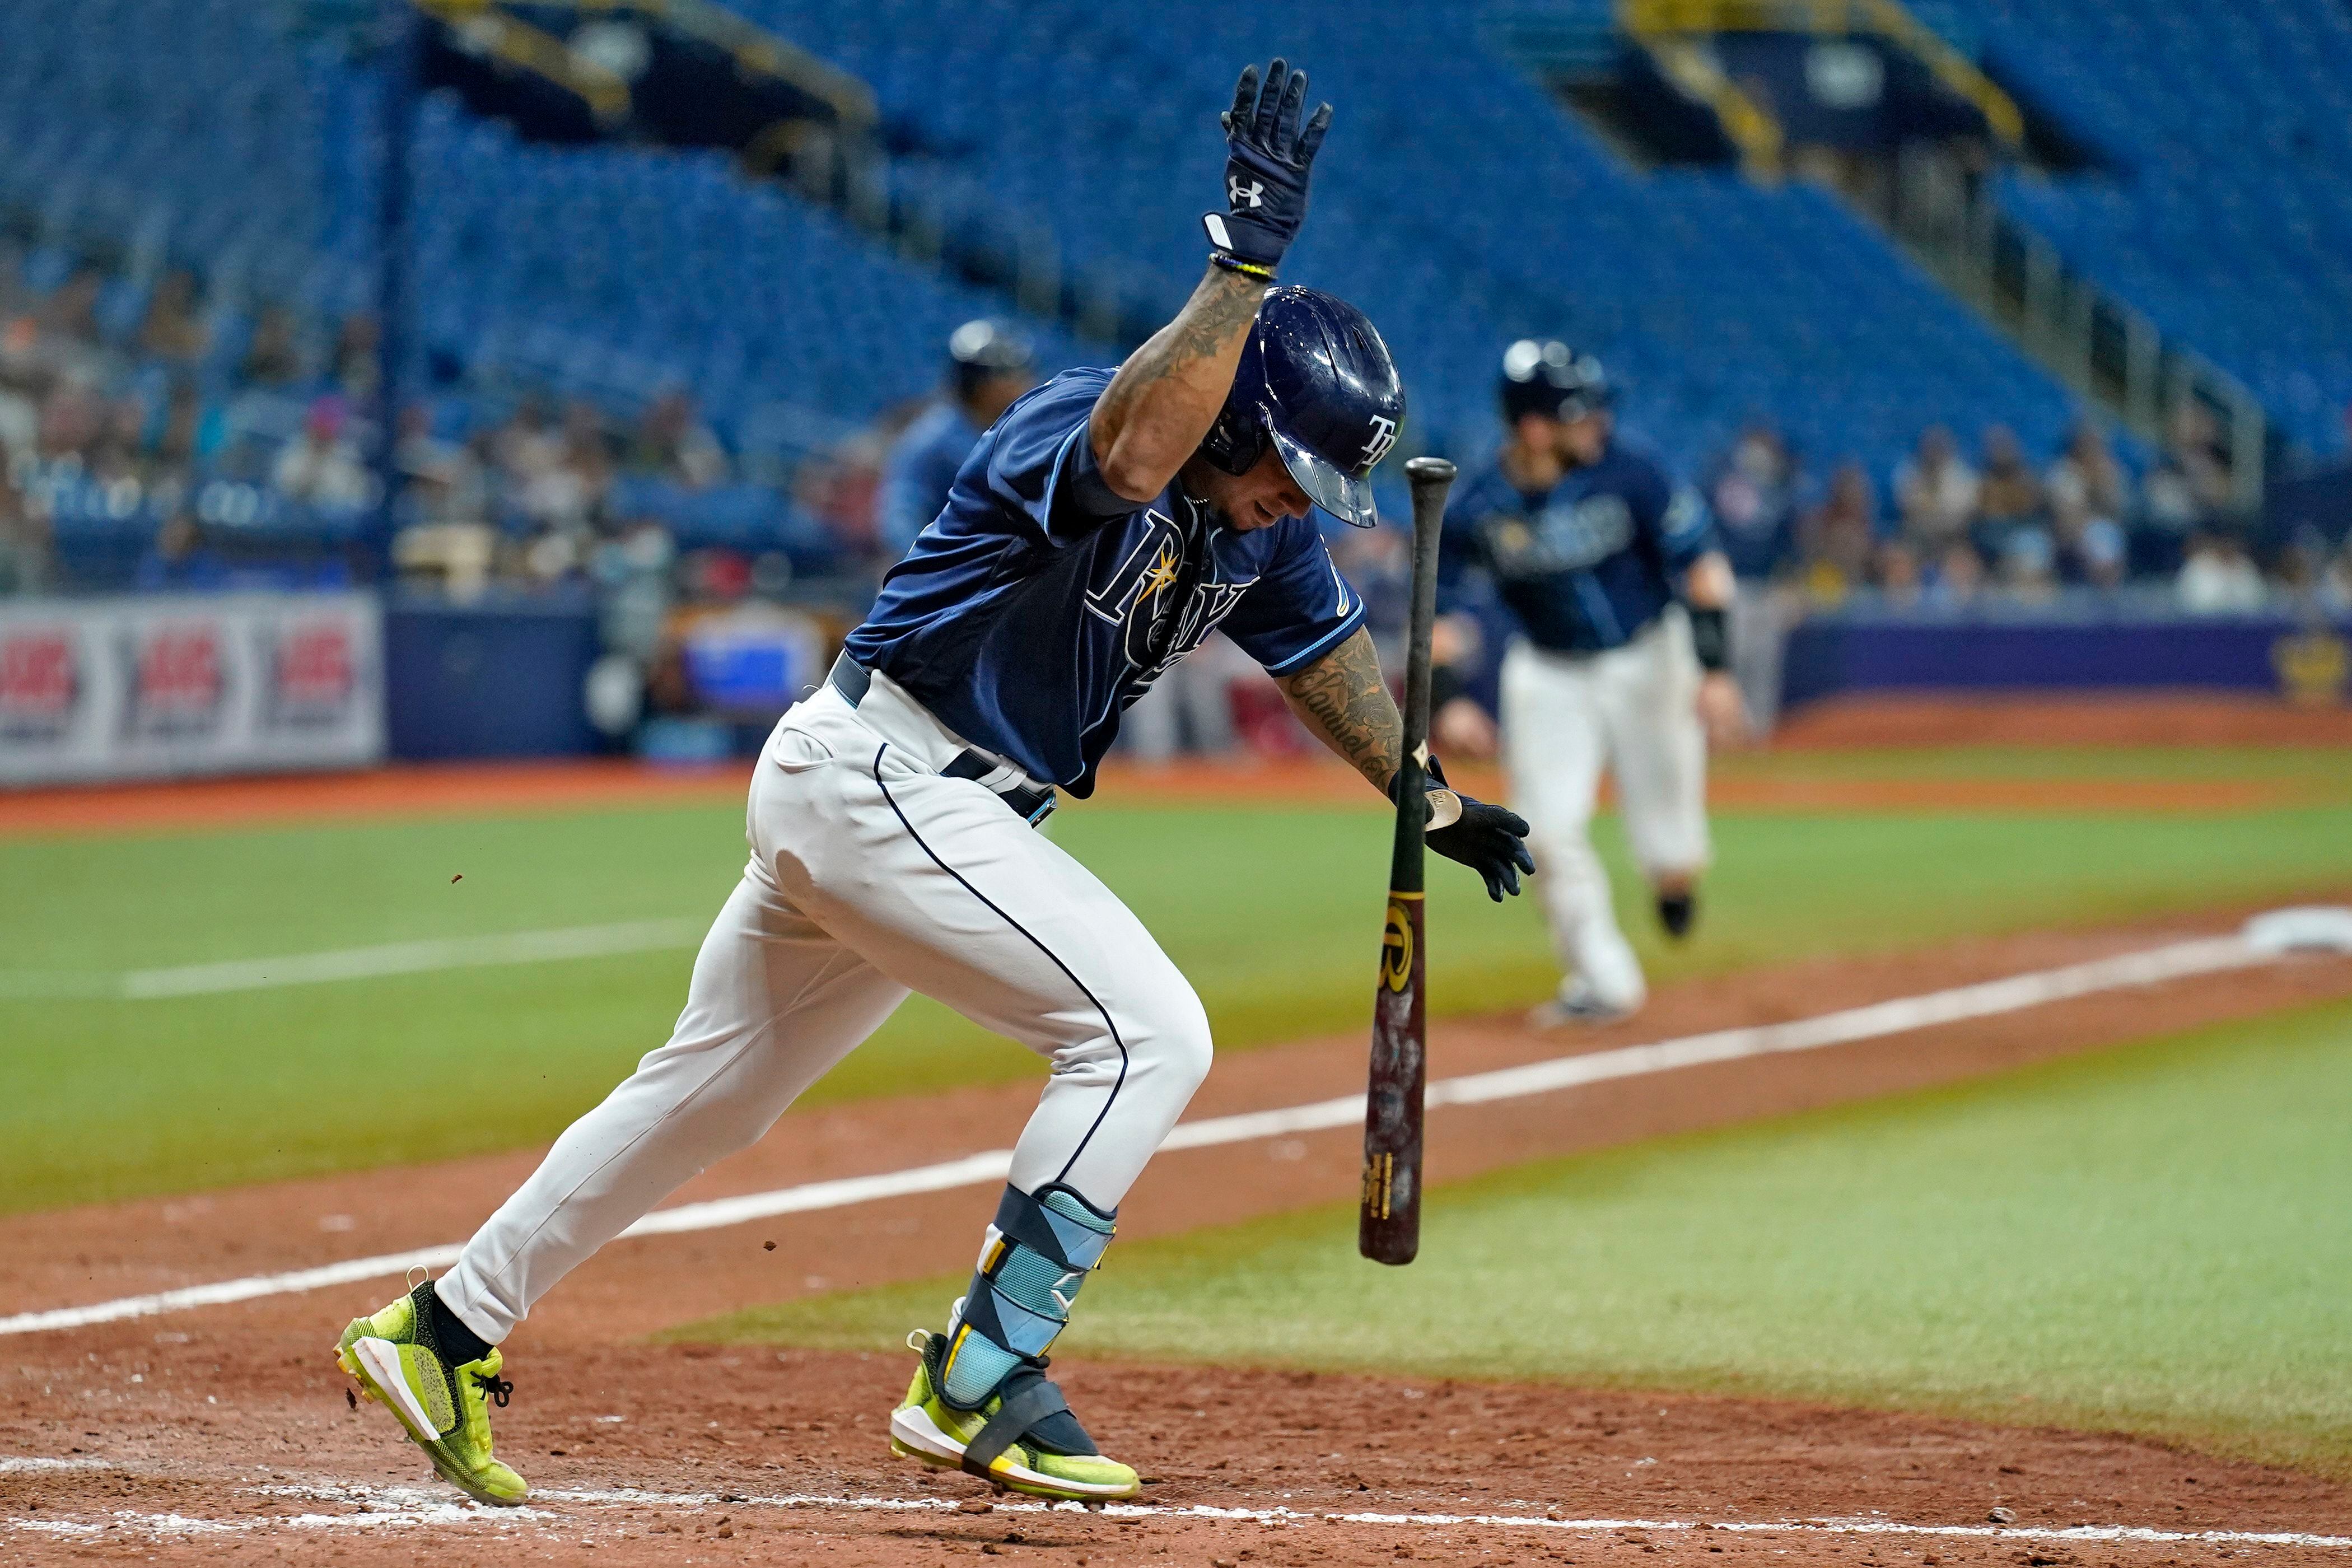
pixel 1568 536
pixel 1383 437
pixel 1159 600
pixel 1238 196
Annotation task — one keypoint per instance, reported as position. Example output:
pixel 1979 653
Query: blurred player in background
pixel 1589 547
pixel 990 363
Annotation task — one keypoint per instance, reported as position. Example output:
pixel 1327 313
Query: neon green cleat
pixel 996 1441
pixel 446 1409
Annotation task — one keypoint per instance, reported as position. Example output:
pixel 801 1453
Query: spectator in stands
pixel 322 465
pixel 358 365
pixel 172 331
pixel 2190 485
pixel 1752 489
pixel 2219 578
pixel 273 359
pixel 674 444
pixel 1839 537
pixel 2090 499
pixel 843 491
pixel 2087 482
pixel 990 363
pixel 2009 496
pixel 2012 529
pixel 1936 491
pixel 180 558
pixel 23 543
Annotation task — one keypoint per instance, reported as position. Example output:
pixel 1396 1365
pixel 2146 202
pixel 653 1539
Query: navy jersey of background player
pixel 1040 602
pixel 920 468
pixel 1587 564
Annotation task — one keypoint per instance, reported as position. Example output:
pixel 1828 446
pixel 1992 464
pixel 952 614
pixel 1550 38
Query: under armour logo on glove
pixel 1267 151
pixel 1383 437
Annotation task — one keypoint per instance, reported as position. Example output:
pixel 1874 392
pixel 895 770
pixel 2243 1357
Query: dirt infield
pixel 2101 719
pixel 224 1431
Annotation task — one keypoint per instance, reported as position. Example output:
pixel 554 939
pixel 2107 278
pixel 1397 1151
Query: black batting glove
pixel 1492 840
pixel 1266 159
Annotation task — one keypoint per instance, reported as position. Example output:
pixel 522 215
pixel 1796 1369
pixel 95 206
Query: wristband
pixel 1232 263
pixel 1709 638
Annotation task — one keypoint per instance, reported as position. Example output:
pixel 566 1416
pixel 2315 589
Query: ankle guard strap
pixel 1038 1255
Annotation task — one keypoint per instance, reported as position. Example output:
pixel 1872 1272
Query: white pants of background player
pixel 870 875
pixel 1630 711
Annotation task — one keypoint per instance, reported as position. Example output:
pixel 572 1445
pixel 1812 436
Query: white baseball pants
pixel 870 875
pixel 1633 711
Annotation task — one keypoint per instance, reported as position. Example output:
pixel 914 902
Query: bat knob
pixel 1429 472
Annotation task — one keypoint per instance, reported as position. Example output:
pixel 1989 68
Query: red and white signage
pixel 130 688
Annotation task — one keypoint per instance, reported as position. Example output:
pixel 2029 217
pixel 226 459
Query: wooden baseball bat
pixel 1389 1221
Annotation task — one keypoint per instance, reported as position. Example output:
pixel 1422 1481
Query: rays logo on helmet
pixel 1239 196
pixel 1383 437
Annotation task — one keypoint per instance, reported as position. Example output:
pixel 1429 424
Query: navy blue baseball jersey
pixel 922 465
pixel 1585 565
pixel 1039 603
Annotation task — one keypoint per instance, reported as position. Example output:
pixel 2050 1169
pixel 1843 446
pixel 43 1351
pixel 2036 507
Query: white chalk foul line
pixel 379 1508
pixel 2204 955
pixel 426 957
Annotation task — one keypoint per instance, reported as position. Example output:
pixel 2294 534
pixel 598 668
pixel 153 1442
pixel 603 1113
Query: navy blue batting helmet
pixel 1548 377
pixel 1316 381
pixel 983 349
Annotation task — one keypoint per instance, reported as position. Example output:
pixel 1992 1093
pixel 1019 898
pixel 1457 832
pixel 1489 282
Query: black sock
pixel 1675 911
pixel 457 1343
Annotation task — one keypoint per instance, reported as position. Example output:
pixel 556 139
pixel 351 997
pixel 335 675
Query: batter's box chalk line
pixel 372 1507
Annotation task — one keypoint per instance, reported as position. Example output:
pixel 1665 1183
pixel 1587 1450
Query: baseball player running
pixel 1096 534
pixel 988 366
pixel 1588 546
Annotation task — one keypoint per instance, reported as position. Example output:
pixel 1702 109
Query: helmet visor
pixel 1341 494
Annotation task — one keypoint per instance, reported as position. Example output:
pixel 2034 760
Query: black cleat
pixel 1678 913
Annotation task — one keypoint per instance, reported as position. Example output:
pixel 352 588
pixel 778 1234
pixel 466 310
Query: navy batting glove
pixel 1266 159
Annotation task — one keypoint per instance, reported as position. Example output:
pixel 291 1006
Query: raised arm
pixel 1152 416
pixel 1155 411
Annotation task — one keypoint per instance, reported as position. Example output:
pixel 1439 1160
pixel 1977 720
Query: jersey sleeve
pixel 1041 461
pixel 1461 554
pixel 1299 608
pixel 1677 518
pixel 909 498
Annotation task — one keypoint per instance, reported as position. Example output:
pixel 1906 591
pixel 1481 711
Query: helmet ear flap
pixel 1236 441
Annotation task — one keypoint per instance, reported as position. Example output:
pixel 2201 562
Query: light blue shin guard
pixel 1039 1253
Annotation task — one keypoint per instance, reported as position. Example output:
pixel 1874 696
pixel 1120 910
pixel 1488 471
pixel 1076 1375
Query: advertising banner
pixel 152 687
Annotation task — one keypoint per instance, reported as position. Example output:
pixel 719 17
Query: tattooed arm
pixel 1151 417
pixel 1342 697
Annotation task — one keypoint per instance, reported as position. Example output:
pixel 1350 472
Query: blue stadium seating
pixel 2222 209
pixel 1457 203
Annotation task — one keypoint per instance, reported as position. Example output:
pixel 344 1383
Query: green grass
pixel 2153 1240
pixel 1274 914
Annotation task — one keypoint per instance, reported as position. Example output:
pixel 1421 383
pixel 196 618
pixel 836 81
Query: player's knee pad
pixel 1038 1255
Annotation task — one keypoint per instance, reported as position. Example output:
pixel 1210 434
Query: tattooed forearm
pixel 1342 697
pixel 1164 398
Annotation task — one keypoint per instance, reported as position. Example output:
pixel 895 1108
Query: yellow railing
pixel 1652 20
pixel 754 49
pixel 541 53
pixel 1755 132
